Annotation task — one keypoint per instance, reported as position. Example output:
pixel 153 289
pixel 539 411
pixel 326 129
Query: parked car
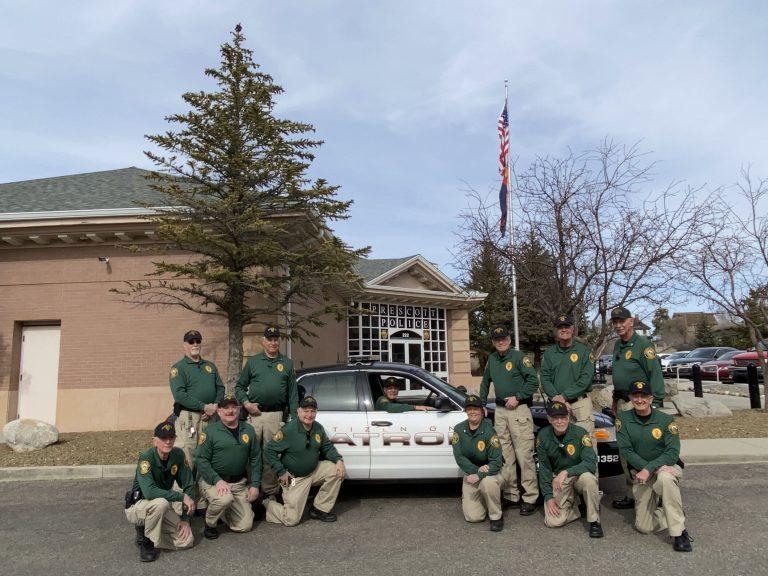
pixel 719 369
pixel 378 445
pixel 605 364
pixel 682 366
pixel 674 356
pixel 738 372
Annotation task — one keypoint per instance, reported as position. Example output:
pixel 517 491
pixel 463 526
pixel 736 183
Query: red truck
pixel 738 371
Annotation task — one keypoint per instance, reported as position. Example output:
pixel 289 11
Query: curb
pixel 94 472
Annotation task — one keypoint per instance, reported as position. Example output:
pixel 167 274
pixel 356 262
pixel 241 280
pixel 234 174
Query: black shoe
pixel 506 503
pixel 147 552
pixel 683 542
pixel 497 525
pixel 595 530
pixel 200 512
pixel 210 532
pixel 139 535
pixel 320 515
pixel 623 503
pixel 527 509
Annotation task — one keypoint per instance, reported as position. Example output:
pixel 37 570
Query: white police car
pixel 378 445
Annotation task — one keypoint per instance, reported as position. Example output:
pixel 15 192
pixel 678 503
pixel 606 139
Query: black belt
pixel 502 402
pixel 232 479
pixel 177 408
pixel 271 408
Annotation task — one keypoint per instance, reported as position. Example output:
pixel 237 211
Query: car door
pixel 414 444
pixel 341 412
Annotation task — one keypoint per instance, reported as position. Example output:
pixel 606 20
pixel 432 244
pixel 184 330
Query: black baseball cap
pixel 564 320
pixel 557 409
pixel 473 400
pixel 165 430
pixel 391 381
pixel 499 332
pixel 271 332
pixel 308 402
pixel 192 335
pixel 229 400
pixel 620 313
pixel 640 387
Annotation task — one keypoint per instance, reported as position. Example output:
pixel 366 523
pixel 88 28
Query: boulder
pixel 693 407
pixel 27 435
pixel 602 397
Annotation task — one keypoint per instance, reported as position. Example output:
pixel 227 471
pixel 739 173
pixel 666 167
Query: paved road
pixel 78 527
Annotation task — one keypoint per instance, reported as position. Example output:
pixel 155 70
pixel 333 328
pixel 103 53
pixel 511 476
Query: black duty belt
pixel 232 479
pixel 271 408
pixel 502 402
pixel 177 408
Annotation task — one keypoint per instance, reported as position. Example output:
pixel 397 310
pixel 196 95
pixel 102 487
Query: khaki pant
pixel 233 507
pixel 515 431
pixel 295 497
pixel 160 519
pixel 481 498
pixel 266 426
pixel 585 485
pixel 188 443
pixel 624 406
pixel 581 414
pixel 648 516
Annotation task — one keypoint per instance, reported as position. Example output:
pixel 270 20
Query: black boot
pixel 527 509
pixel 623 503
pixel 506 503
pixel 595 530
pixel 497 525
pixel 147 552
pixel 139 535
pixel 211 532
pixel 683 542
pixel 320 515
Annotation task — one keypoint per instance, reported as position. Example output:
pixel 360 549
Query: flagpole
pixel 511 229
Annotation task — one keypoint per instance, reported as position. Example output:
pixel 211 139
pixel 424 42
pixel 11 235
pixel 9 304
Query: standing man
pixel 514 381
pixel 388 401
pixel 161 514
pixel 477 451
pixel 567 466
pixel 567 371
pixel 266 387
pixel 227 454
pixel 649 441
pixel 303 456
pixel 634 359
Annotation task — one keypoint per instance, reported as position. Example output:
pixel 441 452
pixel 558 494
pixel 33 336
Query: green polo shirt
pixel 567 371
pixel 155 477
pixel 648 445
pixel 298 451
pixel 475 448
pixel 512 374
pixel 636 360
pixel 269 382
pixel 572 452
pixel 195 384
pixel 219 453
pixel 384 403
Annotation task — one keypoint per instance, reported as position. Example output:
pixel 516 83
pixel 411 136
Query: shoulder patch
pixel 586 441
pixel 591 357
pixel 617 423
pixel 574 357
pixel 495 442
pixel 527 362
pixel 650 353
pixel 455 438
pixel 538 441
pixel 278 436
pixel 144 467
pixel 673 429
pixel 174 372
pixel 201 438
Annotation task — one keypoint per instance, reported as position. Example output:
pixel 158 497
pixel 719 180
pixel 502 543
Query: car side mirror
pixel 443 404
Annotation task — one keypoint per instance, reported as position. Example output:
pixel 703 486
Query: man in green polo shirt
pixel 649 441
pixel 567 467
pixel 634 359
pixel 303 456
pixel 477 451
pixel 160 513
pixel 567 371
pixel 515 382
pixel 388 401
pixel 266 388
pixel 196 387
pixel 227 454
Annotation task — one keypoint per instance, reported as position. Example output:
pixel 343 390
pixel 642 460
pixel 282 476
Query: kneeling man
pixel 649 441
pixel 477 451
pixel 161 515
pixel 227 452
pixel 302 456
pixel 567 466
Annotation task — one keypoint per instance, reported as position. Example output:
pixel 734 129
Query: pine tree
pixel 704 335
pixel 241 204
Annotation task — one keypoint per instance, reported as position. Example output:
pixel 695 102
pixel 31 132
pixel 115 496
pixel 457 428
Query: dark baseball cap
pixel 499 332
pixel 473 400
pixel 308 402
pixel 165 430
pixel 391 381
pixel 640 387
pixel 557 409
pixel 192 335
pixel 620 313
pixel 229 400
pixel 271 332
pixel 564 320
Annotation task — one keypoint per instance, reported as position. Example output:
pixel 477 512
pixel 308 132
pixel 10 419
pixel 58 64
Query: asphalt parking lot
pixel 78 527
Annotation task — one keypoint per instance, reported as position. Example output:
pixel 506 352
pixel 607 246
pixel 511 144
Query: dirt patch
pixel 741 424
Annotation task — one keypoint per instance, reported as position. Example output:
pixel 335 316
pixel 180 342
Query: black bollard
pixel 754 387
pixel 698 391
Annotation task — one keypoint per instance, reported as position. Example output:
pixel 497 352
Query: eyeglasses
pixel 194 342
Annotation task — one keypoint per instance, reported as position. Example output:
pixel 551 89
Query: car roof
pixel 377 365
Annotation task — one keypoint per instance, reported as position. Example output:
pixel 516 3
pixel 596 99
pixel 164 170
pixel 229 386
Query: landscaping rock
pixel 602 397
pixel 28 435
pixel 693 407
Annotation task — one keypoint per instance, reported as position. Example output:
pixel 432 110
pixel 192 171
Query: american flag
pixel 503 167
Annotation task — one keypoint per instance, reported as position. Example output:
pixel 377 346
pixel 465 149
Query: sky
pixel 405 94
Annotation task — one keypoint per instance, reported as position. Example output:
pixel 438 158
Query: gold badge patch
pixel 527 362
pixel 591 357
pixel 174 469
pixel 174 372
pixel 278 436
pixel 673 429
pixel 574 357
pixel 650 353
pixel 455 438
pixel 201 438
pixel 318 439
pixel 538 441
pixel 144 467
pixel 656 433
pixel 279 367
pixel 245 438
pixel 571 449
pixel 208 369
pixel 586 440
pixel 617 423
pixel 495 442
pixel 508 366
pixel 480 446
pixel 628 355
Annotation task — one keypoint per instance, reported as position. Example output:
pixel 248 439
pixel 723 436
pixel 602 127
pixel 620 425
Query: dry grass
pixel 742 424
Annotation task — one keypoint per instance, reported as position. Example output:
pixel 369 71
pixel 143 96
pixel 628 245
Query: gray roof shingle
pixel 370 268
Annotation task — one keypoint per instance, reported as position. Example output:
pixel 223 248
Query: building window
pixel 379 329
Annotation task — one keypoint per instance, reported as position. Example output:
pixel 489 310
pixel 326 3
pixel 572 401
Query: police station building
pixel 73 354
